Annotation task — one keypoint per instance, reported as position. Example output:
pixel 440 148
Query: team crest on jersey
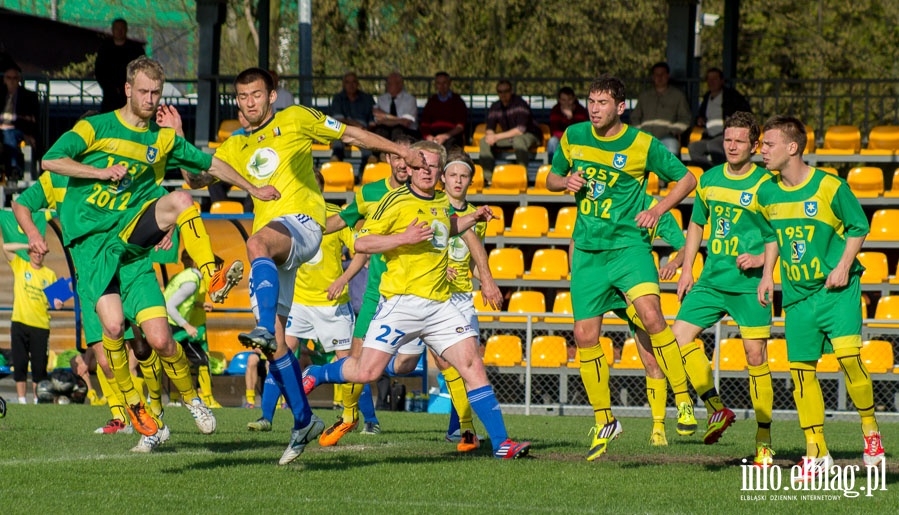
pixel 263 163
pixel 797 250
pixel 260 138
pixel 122 184
pixel 745 199
pixel 619 160
pixel 597 188
pixel 27 276
pixel 44 283
pixel 152 154
pixel 722 229
pixel 277 131
pixel 441 235
pixel 332 124
pixel 433 211
pixel 811 208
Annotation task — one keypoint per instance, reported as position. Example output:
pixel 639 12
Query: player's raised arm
pixel 370 140
pixel 224 172
pixel 416 232
pixel 460 224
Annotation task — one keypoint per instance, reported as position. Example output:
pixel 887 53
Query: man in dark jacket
pixel 112 59
pixel 18 121
pixel 718 103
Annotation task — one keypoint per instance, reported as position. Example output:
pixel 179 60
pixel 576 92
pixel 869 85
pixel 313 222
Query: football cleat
pixel 300 437
pixel 143 421
pixel 812 468
pixel 658 438
pixel 718 423
pixel 601 438
pixel 148 443
pixel 470 442
pixel 764 455
pixel 262 425
pixel 248 405
pixel 259 338
pixel 309 381
pixel 686 422
pixel 115 426
pixel 371 428
pixel 873 449
pixel 223 281
pixel 454 437
pixel 333 434
pixel 511 450
pixel 203 416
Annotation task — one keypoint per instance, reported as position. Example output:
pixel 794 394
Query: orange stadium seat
pixel 894 185
pixel 866 181
pixel 338 176
pixel 777 355
pixel 549 265
pixel 678 217
pixel 508 180
pixel 549 351
pixel 884 225
pixel 887 309
pixel 529 222
pixel 496 226
pixel 733 356
pixel 842 139
pixel 829 169
pixel 652 183
pixel 828 363
pixel 226 128
pixel 876 268
pixel 562 306
pixel 670 305
pixel 564 222
pixel 882 140
pixel 482 309
pixel 506 263
pixel 503 350
pixel 477 180
pixel 697 268
pixel 547 133
pixel 226 207
pixel 525 302
pixel 630 356
pixel 539 187
pixel 375 172
pixel 810 144
pixel 877 355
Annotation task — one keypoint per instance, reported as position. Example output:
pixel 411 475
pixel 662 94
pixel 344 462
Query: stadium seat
pixel 374 172
pixel 539 187
pixel 549 351
pixel 678 217
pixel 842 139
pixel 828 363
pixel 529 222
pixel 562 306
pixel 877 355
pixel 876 269
pixel 882 140
pixel 777 355
pixel 564 225
pixel 508 180
pixel 548 265
pixel 670 305
pixel 894 185
pixel 526 301
pixel 496 226
pixel 887 309
pixel 506 263
pixel 479 131
pixel 695 135
pixel 607 349
pixel 652 183
pixel 226 128
pixel 630 356
pixel 503 350
pixel 477 180
pixel 338 176
pixel 776 274
pixel 733 356
pixel 238 364
pixel 480 307
pixel 866 181
pixel 810 144
pixel 829 169
pixel 226 207
pixel 697 268
pixel 884 225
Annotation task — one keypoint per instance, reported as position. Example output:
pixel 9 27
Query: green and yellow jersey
pixel 810 223
pixel 418 269
pixel 729 204
pixel 667 228
pixel 105 140
pixel 280 154
pixel 615 169
pixel 316 275
pixel 47 193
pixel 460 255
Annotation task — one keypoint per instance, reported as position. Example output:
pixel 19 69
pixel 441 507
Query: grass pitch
pixel 51 461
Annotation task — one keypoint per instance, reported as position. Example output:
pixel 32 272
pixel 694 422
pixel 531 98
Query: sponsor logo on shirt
pixel 597 188
pixel 441 235
pixel 27 276
pixel 332 124
pixel 797 250
pixel 619 160
pixel 722 228
pixel 745 199
pixel 263 163
pixel 811 208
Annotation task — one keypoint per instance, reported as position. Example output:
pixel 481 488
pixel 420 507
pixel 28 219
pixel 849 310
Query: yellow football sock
pixel 456 388
pixel 251 397
pixel 595 375
pixel 152 372
pixel 762 393
pixel 657 394
pixel 113 396
pixel 699 372
pixel 351 394
pixel 338 395
pixel 178 369
pixel 809 405
pixel 196 241
pixel 859 386
pixel 667 353
pixel 117 357
pixel 634 318
pixel 139 384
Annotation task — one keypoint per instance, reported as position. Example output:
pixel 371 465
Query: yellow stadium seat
pixel 226 128
pixel 496 226
pixel 477 180
pixel 549 351
pixel 882 140
pixel 529 222
pixel 829 169
pixel 697 268
pixel 508 180
pixel 607 350
pixel 876 269
pixel 549 265
pixel 506 263
pixel 503 350
pixel 479 131
pixel 887 309
pixel 884 225
pixel 480 307
pixel 866 181
pixel 695 135
pixel 777 355
pixel 630 356
pixel 562 306
pixel 338 176
pixel 539 187
pixel 877 355
pixel 564 222
pixel 375 172
pixel 525 302
pixel 810 144
pixel 678 217
pixel 733 356
pixel 828 363
pixel 226 207
pixel 652 183
pixel 670 305
pixel 842 139
pixel 894 185
pixel 776 274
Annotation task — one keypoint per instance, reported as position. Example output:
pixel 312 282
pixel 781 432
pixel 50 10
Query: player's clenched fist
pixel 113 173
pixel 576 181
pixel 417 232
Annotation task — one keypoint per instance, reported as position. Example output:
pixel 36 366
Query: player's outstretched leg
pixel 861 391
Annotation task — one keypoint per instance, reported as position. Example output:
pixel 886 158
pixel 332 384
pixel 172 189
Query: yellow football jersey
pixel 280 154
pixel 418 269
pixel 316 275
pixel 460 255
pixel 30 303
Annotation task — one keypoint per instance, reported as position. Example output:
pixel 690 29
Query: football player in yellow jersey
pixel 277 151
pixel 411 227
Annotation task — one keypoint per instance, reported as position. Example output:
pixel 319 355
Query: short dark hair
pixel 442 74
pixel 744 120
pixel 565 90
pixel 611 85
pixel 251 75
pixel 791 127
pixel 504 81
pixel 715 70
pixel 120 20
pixel 660 64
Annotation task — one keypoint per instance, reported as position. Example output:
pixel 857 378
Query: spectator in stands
pixel 662 110
pixel 30 320
pixel 113 57
pixel 718 103
pixel 18 121
pixel 567 111
pixel 396 112
pixel 510 126
pixel 444 117
pixel 352 106
pixel 285 98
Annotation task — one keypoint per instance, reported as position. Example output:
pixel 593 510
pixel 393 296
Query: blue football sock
pixel 286 371
pixel 391 371
pixel 485 405
pixel 367 406
pixel 332 373
pixel 453 422
pixel 270 393
pixel 264 287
